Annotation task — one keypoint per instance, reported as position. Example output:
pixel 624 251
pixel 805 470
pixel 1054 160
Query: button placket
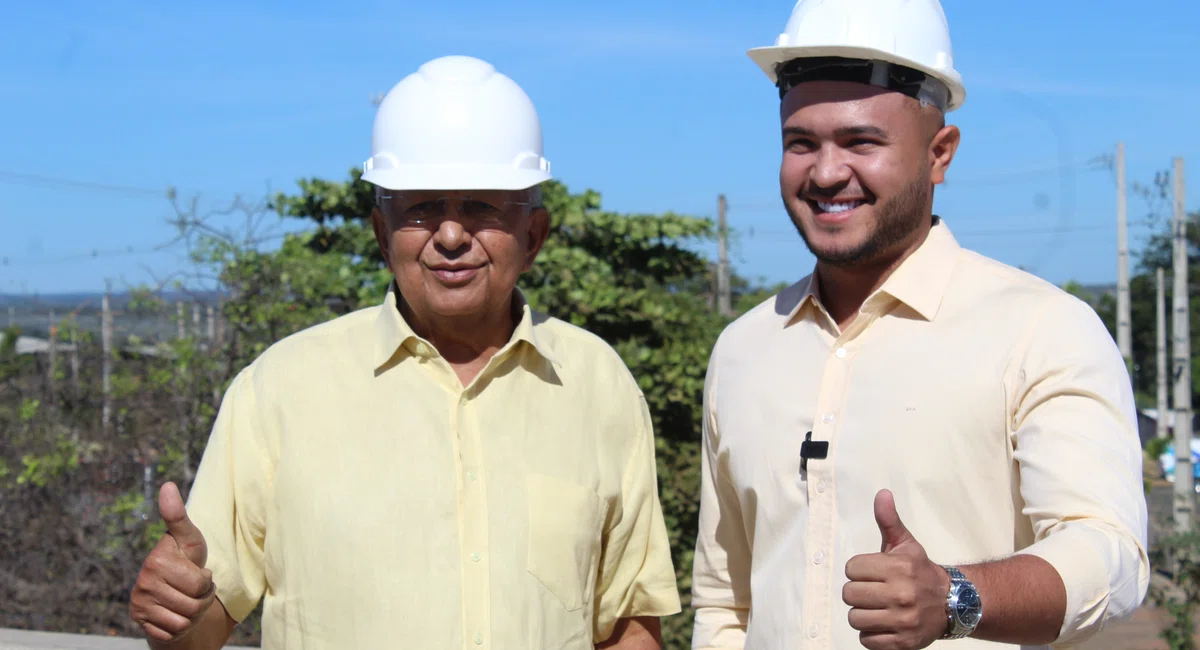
pixel 819 573
pixel 474 526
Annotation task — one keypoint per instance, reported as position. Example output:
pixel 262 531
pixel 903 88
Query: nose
pixel 829 168
pixel 450 234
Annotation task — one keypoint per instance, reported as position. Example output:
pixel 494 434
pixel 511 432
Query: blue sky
pixel 654 104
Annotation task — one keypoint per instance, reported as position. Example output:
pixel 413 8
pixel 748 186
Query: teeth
pixel 838 207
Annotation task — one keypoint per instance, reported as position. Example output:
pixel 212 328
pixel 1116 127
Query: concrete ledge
pixel 25 640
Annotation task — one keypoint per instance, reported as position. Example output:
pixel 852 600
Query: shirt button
pixel 827 418
pixel 818 557
pixel 478 639
pixel 475 557
pixel 812 632
pixel 841 354
pixel 821 487
pixel 471 476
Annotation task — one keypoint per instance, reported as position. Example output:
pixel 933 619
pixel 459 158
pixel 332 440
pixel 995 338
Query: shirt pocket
pixel 564 537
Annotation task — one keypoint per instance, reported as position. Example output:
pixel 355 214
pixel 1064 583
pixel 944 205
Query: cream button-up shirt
pixel 995 407
pixel 373 501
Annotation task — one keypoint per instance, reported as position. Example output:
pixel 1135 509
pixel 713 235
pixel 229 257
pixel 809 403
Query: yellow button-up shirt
pixel 375 502
pixel 995 407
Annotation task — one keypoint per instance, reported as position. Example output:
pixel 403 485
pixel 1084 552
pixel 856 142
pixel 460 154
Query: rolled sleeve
pixel 228 500
pixel 1076 443
pixel 637 575
pixel 721 569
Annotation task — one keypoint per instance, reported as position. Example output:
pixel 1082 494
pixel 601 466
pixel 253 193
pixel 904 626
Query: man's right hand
pixel 173 589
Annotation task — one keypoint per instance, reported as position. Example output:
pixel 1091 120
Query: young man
pixel 914 442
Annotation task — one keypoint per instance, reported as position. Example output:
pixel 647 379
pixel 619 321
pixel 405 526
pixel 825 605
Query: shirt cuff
pixel 1085 576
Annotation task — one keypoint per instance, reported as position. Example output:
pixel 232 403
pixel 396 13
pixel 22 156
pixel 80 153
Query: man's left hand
pixel 897 596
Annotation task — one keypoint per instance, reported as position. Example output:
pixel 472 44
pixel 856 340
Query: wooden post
pixel 1124 320
pixel 106 360
pixel 724 291
pixel 220 324
pixel 1181 334
pixel 52 355
pixel 1160 317
pixel 75 388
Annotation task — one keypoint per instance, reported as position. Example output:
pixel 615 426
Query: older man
pixel 915 442
pixel 449 469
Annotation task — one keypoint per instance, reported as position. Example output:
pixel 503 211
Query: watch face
pixel 968 607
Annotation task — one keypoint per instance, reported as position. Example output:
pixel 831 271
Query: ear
pixel 379 225
pixel 539 230
pixel 941 152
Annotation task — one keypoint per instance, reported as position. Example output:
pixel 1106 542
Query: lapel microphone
pixel 810 448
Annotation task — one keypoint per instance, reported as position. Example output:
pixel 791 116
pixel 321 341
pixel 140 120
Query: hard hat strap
pixel 902 79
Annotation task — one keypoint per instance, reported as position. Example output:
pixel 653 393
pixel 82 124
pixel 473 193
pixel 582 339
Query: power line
pixel 127 251
pixel 1096 163
pixel 1051 230
pixel 22 178
pixel 85 255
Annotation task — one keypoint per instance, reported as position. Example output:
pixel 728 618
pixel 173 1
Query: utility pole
pixel 179 319
pixel 1181 335
pixel 106 359
pixel 75 387
pixel 220 324
pixel 12 316
pixel 52 341
pixel 1160 317
pixel 723 290
pixel 1124 326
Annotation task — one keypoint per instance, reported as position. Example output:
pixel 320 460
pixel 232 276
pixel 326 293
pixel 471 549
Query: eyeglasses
pixel 478 211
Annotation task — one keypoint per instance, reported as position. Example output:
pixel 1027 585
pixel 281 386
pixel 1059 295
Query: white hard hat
pixel 456 124
pixel 903 33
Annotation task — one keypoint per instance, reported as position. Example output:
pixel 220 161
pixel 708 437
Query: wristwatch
pixel 963 608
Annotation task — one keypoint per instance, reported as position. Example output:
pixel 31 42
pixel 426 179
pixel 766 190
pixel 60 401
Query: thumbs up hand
pixel 897 596
pixel 173 589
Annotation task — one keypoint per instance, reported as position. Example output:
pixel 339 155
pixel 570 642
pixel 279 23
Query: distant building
pixel 33 345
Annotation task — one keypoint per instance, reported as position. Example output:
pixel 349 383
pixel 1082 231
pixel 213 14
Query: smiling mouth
pixel 455 275
pixel 836 207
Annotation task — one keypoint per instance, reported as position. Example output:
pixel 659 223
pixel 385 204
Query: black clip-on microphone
pixel 810 448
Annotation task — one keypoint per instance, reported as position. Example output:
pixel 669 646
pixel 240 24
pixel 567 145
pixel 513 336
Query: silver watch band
pixel 953 629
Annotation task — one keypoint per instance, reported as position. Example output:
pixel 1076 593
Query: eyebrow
pixel 844 132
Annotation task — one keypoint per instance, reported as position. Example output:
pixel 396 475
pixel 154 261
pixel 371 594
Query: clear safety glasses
pixel 425 211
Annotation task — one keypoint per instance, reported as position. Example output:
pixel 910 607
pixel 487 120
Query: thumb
pixel 189 538
pixel 890 527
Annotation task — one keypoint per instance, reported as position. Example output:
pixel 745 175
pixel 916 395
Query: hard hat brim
pixel 454 177
pixel 769 57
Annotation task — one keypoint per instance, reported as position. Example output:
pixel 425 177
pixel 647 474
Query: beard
pixel 895 221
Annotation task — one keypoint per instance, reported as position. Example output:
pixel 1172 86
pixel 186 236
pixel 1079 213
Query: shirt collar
pixel 393 334
pixel 796 297
pixel 919 282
